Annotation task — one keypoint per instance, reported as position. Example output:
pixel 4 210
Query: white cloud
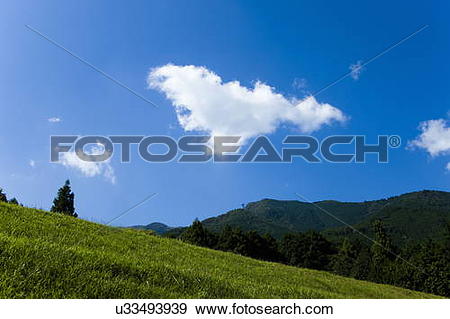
pixel 299 83
pixel 204 103
pixel 355 70
pixel 435 137
pixel 89 169
pixel 448 166
pixel 32 163
pixel 54 120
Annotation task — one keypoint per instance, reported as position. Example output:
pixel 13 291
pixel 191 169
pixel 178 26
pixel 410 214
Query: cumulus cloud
pixel 54 120
pixel 89 169
pixel 205 103
pixel 355 70
pixel 435 137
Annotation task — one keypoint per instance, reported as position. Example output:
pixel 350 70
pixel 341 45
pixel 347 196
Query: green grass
pixel 48 255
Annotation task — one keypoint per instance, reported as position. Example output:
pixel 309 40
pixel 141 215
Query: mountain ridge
pixel 404 215
pixel 157 227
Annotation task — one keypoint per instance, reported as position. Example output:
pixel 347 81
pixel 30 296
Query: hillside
pixel 404 215
pixel 48 255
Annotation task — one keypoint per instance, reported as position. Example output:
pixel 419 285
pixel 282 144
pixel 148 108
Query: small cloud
pixel 86 168
pixel 54 120
pixel 32 163
pixel 355 70
pixel 299 83
pixel 435 138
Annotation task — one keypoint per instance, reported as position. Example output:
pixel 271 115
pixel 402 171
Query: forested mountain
pixel 408 217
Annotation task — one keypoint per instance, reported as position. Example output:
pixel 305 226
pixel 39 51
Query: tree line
pixel 421 266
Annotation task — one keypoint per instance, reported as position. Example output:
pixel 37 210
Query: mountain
pixel 51 255
pixel 158 228
pixel 409 217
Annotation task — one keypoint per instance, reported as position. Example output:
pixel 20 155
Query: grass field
pixel 48 255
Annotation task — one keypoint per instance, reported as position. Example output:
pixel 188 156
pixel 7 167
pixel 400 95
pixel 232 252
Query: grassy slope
pixel 46 255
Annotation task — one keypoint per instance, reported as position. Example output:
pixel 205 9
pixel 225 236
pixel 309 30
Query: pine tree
pixel 382 247
pixel 382 252
pixel 231 240
pixel 198 235
pixel 362 266
pixel 64 201
pixel 13 201
pixel 345 259
pixel 309 250
pixel 3 196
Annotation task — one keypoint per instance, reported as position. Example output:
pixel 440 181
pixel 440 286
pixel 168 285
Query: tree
pixel 344 261
pixel 64 201
pixel 431 268
pixel 361 267
pixel 13 201
pixel 272 250
pixel 309 250
pixel 381 251
pixel 382 247
pixel 198 235
pixel 250 244
pixel 232 240
pixel 3 196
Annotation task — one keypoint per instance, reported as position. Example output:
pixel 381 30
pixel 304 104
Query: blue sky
pixel 276 43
